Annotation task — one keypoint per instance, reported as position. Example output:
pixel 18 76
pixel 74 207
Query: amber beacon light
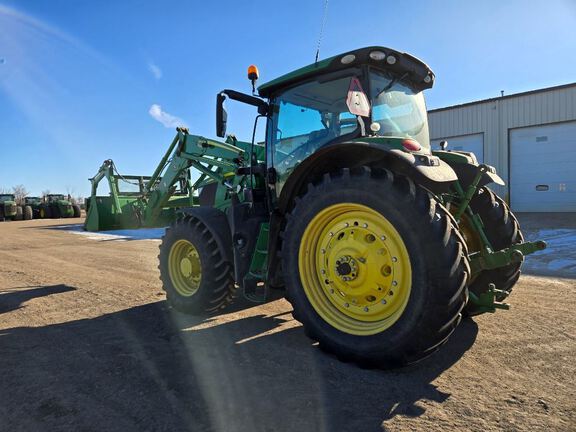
pixel 253 76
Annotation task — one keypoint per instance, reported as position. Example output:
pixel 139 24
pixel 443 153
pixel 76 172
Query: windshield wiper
pixel 390 84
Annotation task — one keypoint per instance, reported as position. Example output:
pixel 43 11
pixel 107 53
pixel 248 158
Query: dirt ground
pixel 88 344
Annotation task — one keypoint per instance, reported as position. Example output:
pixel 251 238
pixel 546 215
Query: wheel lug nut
pixel 323 251
pixel 394 259
pixel 331 234
pixel 365 225
pixel 362 260
pixel 346 305
pixel 383 301
pixel 366 309
pixel 382 237
pixel 394 283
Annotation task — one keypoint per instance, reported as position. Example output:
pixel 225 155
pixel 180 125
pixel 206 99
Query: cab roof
pixel 404 65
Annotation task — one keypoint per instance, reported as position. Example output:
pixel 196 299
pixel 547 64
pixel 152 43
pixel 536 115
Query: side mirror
pixel 221 115
pixel 444 144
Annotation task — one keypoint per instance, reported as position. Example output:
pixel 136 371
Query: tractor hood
pixel 402 64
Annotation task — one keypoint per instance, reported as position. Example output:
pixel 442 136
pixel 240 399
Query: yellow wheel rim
pixel 184 268
pixel 355 269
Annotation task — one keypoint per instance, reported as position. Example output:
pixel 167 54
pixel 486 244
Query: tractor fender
pixel 217 222
pixel 465 165
pixel 425 169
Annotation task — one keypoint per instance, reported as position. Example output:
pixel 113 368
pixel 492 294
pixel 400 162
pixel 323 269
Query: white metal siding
pixel 495 118
pixel 543 168
pixel 468 143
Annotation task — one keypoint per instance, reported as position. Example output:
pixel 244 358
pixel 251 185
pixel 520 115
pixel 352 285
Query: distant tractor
pixel 32 207
pixel 56 206
pixel 8 208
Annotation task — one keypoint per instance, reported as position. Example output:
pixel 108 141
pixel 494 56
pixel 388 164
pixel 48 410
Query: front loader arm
pixel 213 159
pixel 106 170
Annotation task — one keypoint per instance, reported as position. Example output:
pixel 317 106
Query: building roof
pixel 542 90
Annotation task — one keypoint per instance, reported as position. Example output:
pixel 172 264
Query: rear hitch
pixel 488 259
pixel 486 302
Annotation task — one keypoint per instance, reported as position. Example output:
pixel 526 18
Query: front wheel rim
pixel 355 269
pixel 185 268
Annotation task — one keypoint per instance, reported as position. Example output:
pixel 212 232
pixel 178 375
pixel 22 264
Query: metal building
pixel 529 137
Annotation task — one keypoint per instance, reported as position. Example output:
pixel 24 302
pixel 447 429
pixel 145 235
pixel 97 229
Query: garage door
pixel 468 143
pixel 543 168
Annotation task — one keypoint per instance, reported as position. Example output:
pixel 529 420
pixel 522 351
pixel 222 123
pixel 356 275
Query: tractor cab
pixel 7 198
pixel 321 112
pixel 32 200
pixel 54 198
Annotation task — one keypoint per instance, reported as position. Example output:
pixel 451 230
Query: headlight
pixel 347 59
pixel 377 55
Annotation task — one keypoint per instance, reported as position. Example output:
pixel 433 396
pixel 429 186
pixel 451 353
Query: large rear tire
pixel 19 214
pixel 503 230
pixel 76 210
pixel 195 273
pixel 28 214
pixel 374 268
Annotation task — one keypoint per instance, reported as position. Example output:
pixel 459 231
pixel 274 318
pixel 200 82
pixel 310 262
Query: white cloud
pixel 155 70
pixel 168 120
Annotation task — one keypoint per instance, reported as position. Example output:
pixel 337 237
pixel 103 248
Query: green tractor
pixel 32 207
pixel 57 206
pixel 380 243
pixel 9 209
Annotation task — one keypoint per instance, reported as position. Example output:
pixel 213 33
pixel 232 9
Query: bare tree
pixel 4 190
pixel 19 192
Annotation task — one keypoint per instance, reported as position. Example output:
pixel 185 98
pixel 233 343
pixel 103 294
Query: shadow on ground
pixel 14 298
pixel 149 368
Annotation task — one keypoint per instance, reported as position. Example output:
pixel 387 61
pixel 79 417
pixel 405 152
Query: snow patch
pixel 117 235
pixel 560 255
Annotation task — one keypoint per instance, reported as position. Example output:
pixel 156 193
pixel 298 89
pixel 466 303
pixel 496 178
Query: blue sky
pixel 82 81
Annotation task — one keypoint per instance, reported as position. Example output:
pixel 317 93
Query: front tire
pixel 374 268
pixel 195 274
